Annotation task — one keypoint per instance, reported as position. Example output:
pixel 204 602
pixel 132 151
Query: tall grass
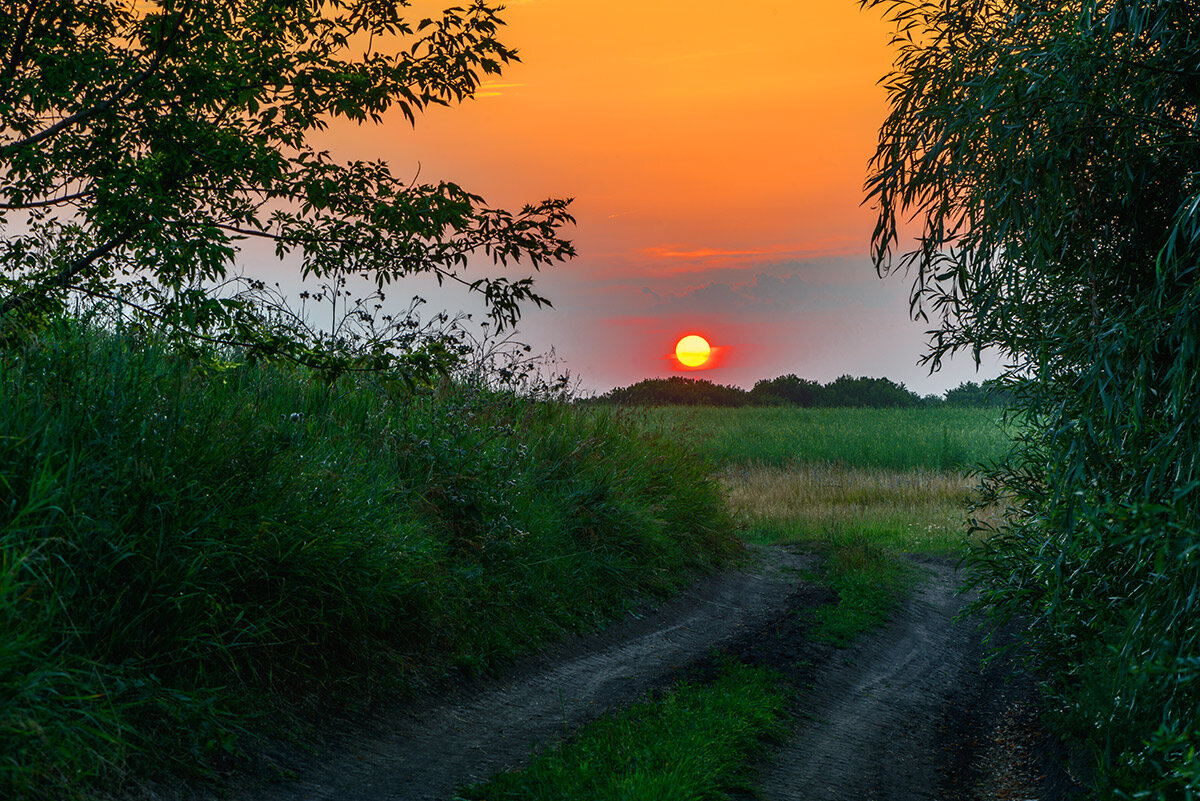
pixel 936 438
pixel 898 477
pixel 910 511
pixel 185 546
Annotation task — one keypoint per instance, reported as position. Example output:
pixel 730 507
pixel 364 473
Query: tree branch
pixel 19 44
pixel 37 204
pixel 19 301
pixel 121 94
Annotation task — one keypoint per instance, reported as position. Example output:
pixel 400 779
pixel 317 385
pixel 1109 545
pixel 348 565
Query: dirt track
pixel 887 719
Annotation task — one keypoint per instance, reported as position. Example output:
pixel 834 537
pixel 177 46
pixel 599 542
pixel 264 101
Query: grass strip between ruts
pixel 870 583
pixel 694 742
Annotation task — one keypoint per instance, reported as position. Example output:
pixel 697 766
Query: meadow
pixel 939 438
pixel 899 479
pixel 861 487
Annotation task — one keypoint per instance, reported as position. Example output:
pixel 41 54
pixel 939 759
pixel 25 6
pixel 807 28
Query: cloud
pixel 701 253
pixel 675 259
pixel 494 88
pixel 820 289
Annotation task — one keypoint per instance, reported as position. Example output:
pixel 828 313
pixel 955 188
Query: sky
pixel 716 154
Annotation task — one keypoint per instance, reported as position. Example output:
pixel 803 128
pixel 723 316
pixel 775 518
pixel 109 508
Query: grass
pixel 861 503
pixel 186 547
pixel 692 743
pixel 189 547
pixel 941 439
pixel 870 583
pixel 907 511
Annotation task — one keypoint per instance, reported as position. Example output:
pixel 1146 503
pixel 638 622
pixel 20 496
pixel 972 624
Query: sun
pixel 692 350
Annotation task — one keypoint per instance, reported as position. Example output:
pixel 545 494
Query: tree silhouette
pixel 140 143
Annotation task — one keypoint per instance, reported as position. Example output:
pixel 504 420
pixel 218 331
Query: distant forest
pixel 790 390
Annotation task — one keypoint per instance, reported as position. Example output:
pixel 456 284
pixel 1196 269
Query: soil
pixel 911 711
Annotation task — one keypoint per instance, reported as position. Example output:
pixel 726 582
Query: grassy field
pixel 189 547
pixel 933 439
pixel 897 479
pixel 908 511
pixel 861 487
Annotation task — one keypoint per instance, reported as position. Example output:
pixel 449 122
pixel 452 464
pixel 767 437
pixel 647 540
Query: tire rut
pixel 424 752
pixel 872 719
pixel 902 715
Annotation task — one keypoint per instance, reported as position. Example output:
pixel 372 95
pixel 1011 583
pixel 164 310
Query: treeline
pixel 846 391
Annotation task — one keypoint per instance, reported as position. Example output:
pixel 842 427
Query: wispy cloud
pixel 819 288
pixel 675 259
pixel 702 253
pixel 495 89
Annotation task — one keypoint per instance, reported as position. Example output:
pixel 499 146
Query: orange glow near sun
pixel 693 350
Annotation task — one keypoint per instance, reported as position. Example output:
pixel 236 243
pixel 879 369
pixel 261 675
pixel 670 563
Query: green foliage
pixel 787 389
pixel 185 545
pixel 968 393
pixel 141 142
pixel 875 393
pixel 693 743
pixel 939 438
pixel 676 391
pixel 1048 151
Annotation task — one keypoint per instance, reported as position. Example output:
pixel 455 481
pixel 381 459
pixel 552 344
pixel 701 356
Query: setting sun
pixel 692 350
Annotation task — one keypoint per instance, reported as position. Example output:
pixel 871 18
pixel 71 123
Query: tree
pixel 676 391
pixel 140 142
pixel 875 393
pixel 968 393
pixel 788 388
pixel 1047 151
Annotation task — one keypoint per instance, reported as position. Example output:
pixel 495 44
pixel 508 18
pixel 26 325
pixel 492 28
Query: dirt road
pixel 886 719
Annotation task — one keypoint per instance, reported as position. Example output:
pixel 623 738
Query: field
pixel 188 547
pixel 893 479
pixel 932 439
pixel 859 486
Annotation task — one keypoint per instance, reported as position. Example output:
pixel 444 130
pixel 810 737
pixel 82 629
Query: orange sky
pixel 706 144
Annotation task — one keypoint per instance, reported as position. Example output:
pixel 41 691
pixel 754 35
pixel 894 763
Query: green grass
pixel 939 438
pixel 184 549
pixel 695 742
pixel 871 582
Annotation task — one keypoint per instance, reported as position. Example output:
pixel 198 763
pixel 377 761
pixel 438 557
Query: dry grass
pixel 913 511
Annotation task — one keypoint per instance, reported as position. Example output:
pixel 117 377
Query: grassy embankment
pixel 861 486
pixel 185 550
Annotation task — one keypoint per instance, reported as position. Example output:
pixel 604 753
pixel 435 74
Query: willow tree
pixel 142 141
pixel 1044 156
